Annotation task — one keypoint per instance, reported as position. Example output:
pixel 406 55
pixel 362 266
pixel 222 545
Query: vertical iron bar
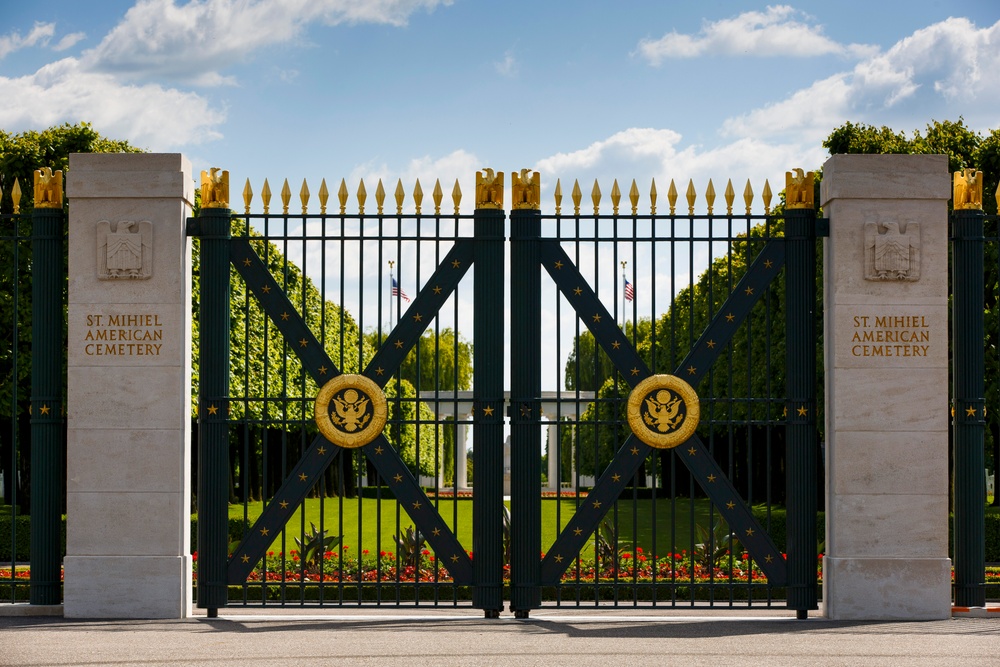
pixel 969 403
pixel 47 353
pixel 487 428
pixel 213 413
pixel 525 410
pixel 800 429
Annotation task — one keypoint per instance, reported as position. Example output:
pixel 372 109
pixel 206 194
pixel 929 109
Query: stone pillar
pixel 886 347
pixel 129 387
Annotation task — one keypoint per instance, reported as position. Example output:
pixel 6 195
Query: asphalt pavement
pixel 420 637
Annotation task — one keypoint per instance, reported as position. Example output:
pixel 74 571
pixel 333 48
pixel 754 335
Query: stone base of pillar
pixel 127 586
pixel 886 589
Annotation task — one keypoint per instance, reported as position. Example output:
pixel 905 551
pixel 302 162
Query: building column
pixel 462 455
pixel 553 455
pixel 129 387
pixel 886 348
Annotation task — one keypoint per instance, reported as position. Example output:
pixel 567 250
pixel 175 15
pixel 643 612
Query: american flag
pixel 396 291
pixel 629 291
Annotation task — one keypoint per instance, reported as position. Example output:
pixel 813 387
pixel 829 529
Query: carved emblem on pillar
pixel 124 250
pixel 892 251
pixel 525 189
pixel 48 188
pixel 489 189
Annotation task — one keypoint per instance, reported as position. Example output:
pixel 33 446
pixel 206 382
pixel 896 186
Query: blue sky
pixel 436 89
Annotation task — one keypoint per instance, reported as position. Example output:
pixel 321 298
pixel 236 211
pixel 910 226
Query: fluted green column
pixel 800 430
pixel 213 427
pixel 969 403
pixel 47 353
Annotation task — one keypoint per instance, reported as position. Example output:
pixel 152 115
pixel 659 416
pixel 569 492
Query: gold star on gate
pixel 559 264
pixel 749 291
pixel 303 477
pixel 711 478
pixel 399 344
pixel 803 411
pixel 398 478
pixel 417 504
pixel 285 316
pixel 634 450
pixel 418 317
pixel 749 532
pixel 283 505
pixel 266 289
pixel 245 559
pixel 525 411
pixel 303 342
pixel 455 264
pixel 692 370
pixel 454 559
pixel 597 504
pixel 437 289
pixel 616 477
pixel 768 558
pixel 246 262
pixel 597 317
pixel 322 370
pixel 45 409
pixel 692 451
pixel 379 371
pixel 635 371
pixel 711 344
pixel 264 531
pixel 558 558
pixel 578 531
pixel 488 411
pixel 212 410
pixel 730 317
pixel 436 531
pixel 768 264
pixel 577 291
pixel 321 451
pixel 730 505
pixel 616 345
pixel 379 450
pixel 969 412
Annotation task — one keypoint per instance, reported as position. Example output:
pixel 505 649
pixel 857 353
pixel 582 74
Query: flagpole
pixel 624 264
pixel 391 278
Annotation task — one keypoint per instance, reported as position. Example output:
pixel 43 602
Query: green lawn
pixel 366 523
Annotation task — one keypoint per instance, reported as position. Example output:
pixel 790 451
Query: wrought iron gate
pixel 690 397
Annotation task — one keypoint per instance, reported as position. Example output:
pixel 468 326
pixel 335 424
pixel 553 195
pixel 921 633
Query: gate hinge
pixel 193 227
pixel 822 227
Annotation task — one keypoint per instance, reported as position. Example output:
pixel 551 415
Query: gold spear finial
pixel 362 197
pixel 652 197
pixel 400 196
pixel 968 190
pixel 616 197
pixel 633 197
pixel 577 196
pixel 48 188
pixel 247 197
pixel 799 189
pixel 456 196
pixel 437 195
pixel 748 196
pixel 691 195
pixel 214 188
pixel 304 197
pixel 342 196
pixel 730 197
pixel 418 196
pixel 766 196
pixel 15 196
pixel 379 196
pixel 324 197
pixel 672 197
pixel 595 196
pixel 710 196
pixel 558 197
pixel 286 197
pixel 265 196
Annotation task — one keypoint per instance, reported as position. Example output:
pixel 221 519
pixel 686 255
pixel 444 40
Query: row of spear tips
pixel 342 196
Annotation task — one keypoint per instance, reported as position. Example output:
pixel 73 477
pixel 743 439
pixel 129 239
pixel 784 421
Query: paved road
pixel 549 638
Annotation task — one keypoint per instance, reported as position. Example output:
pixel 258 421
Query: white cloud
pixel 194 42
pixel 147 115
pixel 69 41
pixel 41 33
pixel 774 32
pixel 508 66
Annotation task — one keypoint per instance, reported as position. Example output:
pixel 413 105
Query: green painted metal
pixel 213 408
pixel 968 401
pixel 525 410
pixel 800 432
pixel 47 445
